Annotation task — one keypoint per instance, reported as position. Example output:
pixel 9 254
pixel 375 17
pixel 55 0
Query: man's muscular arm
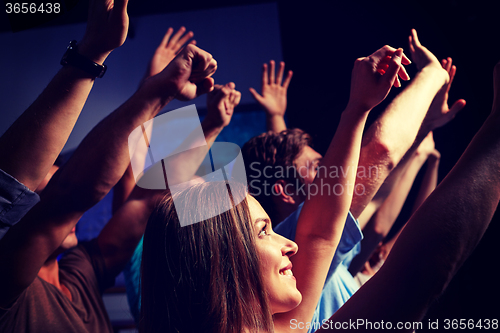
pixel 400 129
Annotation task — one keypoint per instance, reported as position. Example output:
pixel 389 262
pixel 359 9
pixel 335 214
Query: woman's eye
pixel 263 231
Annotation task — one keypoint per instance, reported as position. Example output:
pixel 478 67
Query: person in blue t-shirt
pixel 281 166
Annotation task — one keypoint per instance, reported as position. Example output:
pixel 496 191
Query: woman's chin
pixel 289 305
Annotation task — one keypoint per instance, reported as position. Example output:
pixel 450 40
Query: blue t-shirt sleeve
pixel 349 243
pixel 347 248
pixel 15 201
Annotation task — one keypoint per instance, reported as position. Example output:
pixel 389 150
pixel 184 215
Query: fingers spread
pixel 185 38
pixel 177 35
pixel 166 37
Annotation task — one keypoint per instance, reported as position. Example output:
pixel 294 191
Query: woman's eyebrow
pixel 265 219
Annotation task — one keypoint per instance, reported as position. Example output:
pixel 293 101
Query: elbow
pixel 389 145
pixel 383 152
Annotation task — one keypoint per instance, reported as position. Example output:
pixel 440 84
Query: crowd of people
pixel 301 245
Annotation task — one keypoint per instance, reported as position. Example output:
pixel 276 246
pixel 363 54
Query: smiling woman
pixel 274 253
pixel 206 277
pixel 232 273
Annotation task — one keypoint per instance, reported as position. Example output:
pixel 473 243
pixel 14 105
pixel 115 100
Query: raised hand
pixel 221 103
pixel 420 55
pixel 169 47
pixel 274 89
pixel 188 76
pixel 107 28
pixel 439 113
pixel 373 77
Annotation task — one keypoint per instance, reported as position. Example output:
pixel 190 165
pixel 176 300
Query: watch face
pixel 72 45
pixel 102 70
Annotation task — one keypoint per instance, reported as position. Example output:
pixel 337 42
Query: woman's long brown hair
pixel 202 277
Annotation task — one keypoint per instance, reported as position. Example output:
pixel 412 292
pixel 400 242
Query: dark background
pixel 321 40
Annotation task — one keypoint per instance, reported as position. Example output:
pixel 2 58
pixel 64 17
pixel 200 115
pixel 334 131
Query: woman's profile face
pixel 274 254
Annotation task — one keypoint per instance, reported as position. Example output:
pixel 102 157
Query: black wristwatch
pixel 75 59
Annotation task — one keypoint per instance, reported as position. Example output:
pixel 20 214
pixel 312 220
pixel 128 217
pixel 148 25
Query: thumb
pixel 255 95
pixel 205 86
pixel 456 107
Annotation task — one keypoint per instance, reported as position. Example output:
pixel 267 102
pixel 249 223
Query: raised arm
pixel 439 237
pixel 104 155
pixel 220 108
pixel 397 133
pixel 382 221
pixel 273 98
pixel 122 233
pixel 32 143
pixel 169 47
pixel 322 218
pixel 429 183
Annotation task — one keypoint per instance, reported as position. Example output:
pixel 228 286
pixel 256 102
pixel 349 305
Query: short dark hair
pixel 203 277
pixel 272 150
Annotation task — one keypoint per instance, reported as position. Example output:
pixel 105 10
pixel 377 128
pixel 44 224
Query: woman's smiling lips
pixel 287 271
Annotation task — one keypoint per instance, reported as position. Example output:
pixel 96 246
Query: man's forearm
pixel 104 151
pixel 399 125
pixel 33 142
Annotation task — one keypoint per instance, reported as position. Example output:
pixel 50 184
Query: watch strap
pixel 73 58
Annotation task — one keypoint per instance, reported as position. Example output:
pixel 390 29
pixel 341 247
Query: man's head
pixel 278 167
